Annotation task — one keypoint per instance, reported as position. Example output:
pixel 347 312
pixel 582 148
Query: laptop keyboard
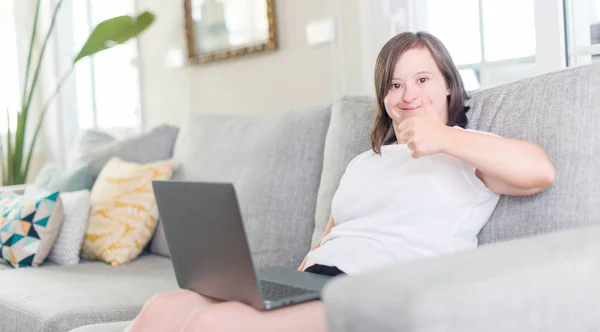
pixel 273 291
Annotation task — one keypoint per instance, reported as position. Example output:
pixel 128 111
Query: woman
pixel 425 188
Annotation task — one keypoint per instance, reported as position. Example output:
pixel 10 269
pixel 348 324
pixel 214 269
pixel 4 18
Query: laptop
pixel 206 237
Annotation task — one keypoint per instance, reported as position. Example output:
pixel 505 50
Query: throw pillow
pixel 66 249
pixel 96 148
pixel 28 228
pixel 87 143
pixel 123 210
pixel 52 177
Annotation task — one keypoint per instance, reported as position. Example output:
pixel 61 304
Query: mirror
pixel 221 29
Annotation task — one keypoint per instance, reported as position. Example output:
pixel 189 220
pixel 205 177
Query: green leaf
pixel 114 31
pixel 9 151
pixel 29 55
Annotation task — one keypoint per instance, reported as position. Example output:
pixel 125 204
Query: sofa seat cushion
pixel 60 298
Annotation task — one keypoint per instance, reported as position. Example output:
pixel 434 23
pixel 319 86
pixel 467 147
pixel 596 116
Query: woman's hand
pixel 330 225
pixel 301 268
pixel 424 135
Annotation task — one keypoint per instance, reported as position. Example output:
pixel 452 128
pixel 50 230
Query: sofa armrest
pixel 543 283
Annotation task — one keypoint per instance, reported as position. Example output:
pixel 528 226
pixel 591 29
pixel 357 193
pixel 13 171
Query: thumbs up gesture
pixel 424 134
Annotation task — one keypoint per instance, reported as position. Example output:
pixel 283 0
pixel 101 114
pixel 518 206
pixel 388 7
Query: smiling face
pixel 411 66
pixel 415 76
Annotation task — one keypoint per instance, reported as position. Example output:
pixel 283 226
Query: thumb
pixel 426 104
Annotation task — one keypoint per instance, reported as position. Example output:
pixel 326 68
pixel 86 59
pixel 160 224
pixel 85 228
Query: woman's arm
pixel 330 225
pixel 506 166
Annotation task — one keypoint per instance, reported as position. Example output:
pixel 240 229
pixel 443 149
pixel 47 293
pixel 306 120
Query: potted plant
pixel 105 35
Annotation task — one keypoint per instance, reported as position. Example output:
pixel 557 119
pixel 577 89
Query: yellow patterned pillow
pixel 123 210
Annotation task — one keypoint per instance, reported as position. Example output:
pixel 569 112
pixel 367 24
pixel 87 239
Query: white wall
pixel 348 49
pixel 294 76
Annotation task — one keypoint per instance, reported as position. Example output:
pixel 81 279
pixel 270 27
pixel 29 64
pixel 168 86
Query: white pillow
pixel 66 249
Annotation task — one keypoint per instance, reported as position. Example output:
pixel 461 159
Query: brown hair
pixel 383 131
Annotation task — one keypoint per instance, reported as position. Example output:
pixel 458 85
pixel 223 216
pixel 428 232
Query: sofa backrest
pixel 275 163
pixel 560 111
pixel 348 135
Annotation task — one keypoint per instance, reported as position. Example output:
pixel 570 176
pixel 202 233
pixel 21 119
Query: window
pixel 9 68
pixel 486 49
pixel 491 41
pixel 107 84
pixel 583 27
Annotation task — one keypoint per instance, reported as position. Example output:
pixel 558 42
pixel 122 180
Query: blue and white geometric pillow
pixel 28 228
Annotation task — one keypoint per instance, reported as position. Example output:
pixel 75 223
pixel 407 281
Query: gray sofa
pixel 537 267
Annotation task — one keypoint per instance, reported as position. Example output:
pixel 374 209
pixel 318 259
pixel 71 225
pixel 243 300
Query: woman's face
pixel 416 76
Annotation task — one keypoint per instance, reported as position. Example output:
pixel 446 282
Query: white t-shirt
pixel 392 208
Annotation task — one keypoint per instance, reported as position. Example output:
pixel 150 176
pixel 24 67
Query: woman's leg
pixel 236 316
pixel 169 311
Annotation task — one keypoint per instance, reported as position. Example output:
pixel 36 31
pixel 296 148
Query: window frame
pixel 577 29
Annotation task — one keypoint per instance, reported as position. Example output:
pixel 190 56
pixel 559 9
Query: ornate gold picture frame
pixel 223 29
